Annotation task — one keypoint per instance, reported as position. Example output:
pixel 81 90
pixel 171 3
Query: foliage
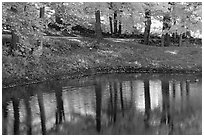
pixel 23 18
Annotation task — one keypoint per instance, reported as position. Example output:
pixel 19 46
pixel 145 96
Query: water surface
pixel 106 104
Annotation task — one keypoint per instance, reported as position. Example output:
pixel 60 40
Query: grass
pixel 85 56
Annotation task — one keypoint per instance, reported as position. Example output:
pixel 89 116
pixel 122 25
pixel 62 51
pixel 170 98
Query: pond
pixel 137 103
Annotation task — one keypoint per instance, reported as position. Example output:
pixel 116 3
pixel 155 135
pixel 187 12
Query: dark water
pixel 106 104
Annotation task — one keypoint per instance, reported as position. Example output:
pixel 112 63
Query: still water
pixel 106 104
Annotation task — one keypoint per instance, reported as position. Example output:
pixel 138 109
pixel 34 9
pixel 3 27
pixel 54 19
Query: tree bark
pixel 98 25
pixel 111 25
pixel 14 41
pixel 119 28
pixel 147 26
pixel 115 22
pixel 42 12
pixel 166 26
pixel 111 19
pixel 180 40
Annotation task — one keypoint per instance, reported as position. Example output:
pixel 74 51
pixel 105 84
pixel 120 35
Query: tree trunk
pixel 147 26
pixel 120 24
pixel 111 25
pixel 40 46
pixel 14 41
pixel 166 26
pixel 98 25
pixel 162 40
pixel 42 12
pixel 115 22
pixel 180 40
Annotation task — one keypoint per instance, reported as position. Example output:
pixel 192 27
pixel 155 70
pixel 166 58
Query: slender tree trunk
pixel 166 26
pixel 147 26
pixel 40 46
pixel 115 22
pixel 98 25
pixel 14 41
pixel 180 40
pixel 111 25
pixel 120 24
pixel 162 40
pixel 119 28
pixel 42 12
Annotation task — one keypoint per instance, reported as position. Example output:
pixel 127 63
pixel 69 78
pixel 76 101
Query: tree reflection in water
pixel 42 109
pixel 16 126
pixel 147 103
pixel 98 105
pixel 122 106
pixel 59 103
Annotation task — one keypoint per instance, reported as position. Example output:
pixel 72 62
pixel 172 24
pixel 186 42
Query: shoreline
pixel 8 83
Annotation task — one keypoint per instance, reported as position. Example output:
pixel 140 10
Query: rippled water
pixel 106 104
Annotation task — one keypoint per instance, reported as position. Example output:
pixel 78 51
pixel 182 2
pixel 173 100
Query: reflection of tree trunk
pixel 174 89
pixel 42 112
pixel 165 102
pixel 115 102
pixel 16 116
pixel 111 101
pixel 166 117
pixel 132 94
pixel 98 106
pixel 187 88
pixel 181 88
pixel 121 97
pixel 147 102
pixel 60 108
pixel 28 116
pixel 5 117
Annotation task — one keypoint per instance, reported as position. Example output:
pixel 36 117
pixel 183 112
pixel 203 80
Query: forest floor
pixel 76 56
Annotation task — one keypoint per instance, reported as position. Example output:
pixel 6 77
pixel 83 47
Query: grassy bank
pixel 82 56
